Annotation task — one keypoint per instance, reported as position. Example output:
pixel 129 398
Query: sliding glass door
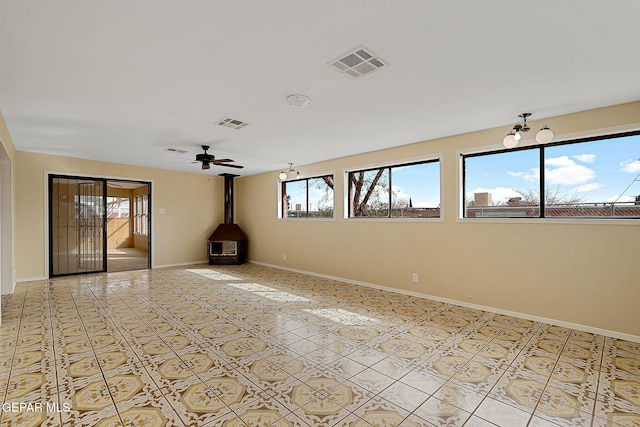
pixel 77 242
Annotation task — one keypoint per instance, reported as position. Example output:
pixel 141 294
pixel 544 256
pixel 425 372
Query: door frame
pixel 50 228
pixel 48 175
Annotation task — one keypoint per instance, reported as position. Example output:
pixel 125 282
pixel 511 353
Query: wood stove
pixel 227 244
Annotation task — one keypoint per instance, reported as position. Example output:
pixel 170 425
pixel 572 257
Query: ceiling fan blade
pixel 222 160
pixel 230 166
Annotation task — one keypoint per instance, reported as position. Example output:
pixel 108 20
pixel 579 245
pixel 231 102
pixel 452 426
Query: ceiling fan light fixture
pixel 208 159
pixel 282 175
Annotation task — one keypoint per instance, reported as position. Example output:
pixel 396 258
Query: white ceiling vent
pixel 177 150
pixel 359 62
pixel 232 123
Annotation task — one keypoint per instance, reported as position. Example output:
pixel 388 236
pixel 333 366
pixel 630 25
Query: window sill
pixel 566 221
pixel 394 219
pixel 313 219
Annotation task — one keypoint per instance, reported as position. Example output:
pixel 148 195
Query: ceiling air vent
pixel 177 150
pixel 359 62
pixel 232 123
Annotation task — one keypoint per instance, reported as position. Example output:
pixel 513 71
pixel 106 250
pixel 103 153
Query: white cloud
pixel 564 171
pixel 498 194
pixel 533 175
pixel 562 161
pixel 399 193
pixel 585 158
pixel 630 166
pixel 586 187
pixel 569 175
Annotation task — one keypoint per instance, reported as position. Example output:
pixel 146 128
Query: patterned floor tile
pixel 404 396
pixel 254 346
pixel 441 413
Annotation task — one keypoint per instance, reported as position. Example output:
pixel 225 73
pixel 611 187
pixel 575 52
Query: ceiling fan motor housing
pixel 205 157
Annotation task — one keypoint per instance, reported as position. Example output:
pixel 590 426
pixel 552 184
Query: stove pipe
pixel 228 197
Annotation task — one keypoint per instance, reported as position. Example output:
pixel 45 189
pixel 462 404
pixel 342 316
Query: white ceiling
pixel 123 81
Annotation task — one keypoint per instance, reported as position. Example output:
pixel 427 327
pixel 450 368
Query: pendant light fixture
pixel 514 136
pixel 284 175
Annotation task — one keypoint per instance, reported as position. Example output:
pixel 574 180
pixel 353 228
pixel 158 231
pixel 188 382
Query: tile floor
pixel 254 346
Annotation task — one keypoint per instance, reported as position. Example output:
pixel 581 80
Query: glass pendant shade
pixel 509 141
pixel 282 175
pixel 544 135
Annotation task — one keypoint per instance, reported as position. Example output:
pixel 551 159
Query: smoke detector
pixel 298 100
pixel 359 62
pixel 232 123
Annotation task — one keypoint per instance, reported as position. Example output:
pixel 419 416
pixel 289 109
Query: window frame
pixel 463 154
pixel 141 209
pixel 282 206
pixel 433 158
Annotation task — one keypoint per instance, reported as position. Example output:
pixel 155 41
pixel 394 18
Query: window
pixel 409 190
pixel 586 178
pixel 308 198
pixel 141 223
pixel 117 207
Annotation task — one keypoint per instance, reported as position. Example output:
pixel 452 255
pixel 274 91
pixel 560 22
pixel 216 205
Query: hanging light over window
pixel 544 135
pixel 284 175
pixel 514 136
pixel 510 140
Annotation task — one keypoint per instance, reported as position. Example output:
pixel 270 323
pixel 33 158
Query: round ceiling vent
pixel 298 100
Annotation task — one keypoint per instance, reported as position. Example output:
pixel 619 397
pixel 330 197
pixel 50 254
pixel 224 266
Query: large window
pixel 141 223
pixel 409 190
pixel 586 178
pixel 308 198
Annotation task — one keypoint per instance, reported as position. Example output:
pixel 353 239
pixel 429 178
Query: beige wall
pixel 178 236
pixel 584 274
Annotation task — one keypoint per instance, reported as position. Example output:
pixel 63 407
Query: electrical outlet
pixel 284 257
pixel 415 278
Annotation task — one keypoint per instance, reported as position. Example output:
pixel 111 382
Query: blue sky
pixel 597 171
pixel 419 182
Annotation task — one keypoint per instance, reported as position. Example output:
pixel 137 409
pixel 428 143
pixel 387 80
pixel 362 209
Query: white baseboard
pixel 181 264
pixel 31 279
pixel 579 327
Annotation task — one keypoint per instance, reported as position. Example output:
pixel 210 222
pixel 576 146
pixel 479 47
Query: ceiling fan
pixel 209 159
